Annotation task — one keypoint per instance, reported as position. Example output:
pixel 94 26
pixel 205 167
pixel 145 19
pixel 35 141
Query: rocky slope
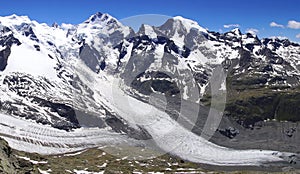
pixel 9 163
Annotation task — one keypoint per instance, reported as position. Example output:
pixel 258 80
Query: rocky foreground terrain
pixel 10 163
pixel 98 161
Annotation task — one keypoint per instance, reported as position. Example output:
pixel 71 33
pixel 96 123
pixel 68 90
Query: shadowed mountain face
pixel 64 77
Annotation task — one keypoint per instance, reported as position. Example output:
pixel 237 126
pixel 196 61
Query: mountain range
pixel 171 87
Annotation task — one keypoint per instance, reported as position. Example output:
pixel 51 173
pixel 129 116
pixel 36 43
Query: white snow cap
pixel 14 20
pixel 189 24
pixel 236 31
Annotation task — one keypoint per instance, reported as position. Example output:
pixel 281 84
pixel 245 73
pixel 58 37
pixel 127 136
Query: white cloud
pixel 66 26
pixel 298 36
pixel 294 24
pixel 274 24
pixel 231 25
pixel 252 31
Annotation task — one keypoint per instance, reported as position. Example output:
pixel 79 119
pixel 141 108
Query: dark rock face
pixel 29 112
pixel 201 77
pixel 290 132
pixel 102 65
pixel 229 132
pixel 24 86
pixel 37 47
pixel 271 56
pixel 95 16
pixel 122 50
pixel 276 43
pixel 157 82
pixel 171 46
pixel 7 42
pixel 118 126
pixel 139 42
pixel 3 58
pixel 55 25
pixel 28 32
pixel 62 110
pixel 245 58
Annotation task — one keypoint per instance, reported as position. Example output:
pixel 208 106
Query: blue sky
pixel 251 14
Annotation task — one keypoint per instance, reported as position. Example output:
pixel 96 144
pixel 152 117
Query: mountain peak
pixel 55 25
pixel 100 17
pixel 180 18
pixel 237 31
pixel 14 16
pixel 147 30
pixel 14 20
pixel 95 16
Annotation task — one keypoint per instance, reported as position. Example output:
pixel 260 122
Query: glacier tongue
pixel 170 136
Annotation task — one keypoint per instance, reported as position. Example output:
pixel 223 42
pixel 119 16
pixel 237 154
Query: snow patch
pixel 25 59
pixel 32 161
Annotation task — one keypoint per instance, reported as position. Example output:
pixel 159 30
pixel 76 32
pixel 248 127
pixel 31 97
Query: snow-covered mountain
pixel 69 87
